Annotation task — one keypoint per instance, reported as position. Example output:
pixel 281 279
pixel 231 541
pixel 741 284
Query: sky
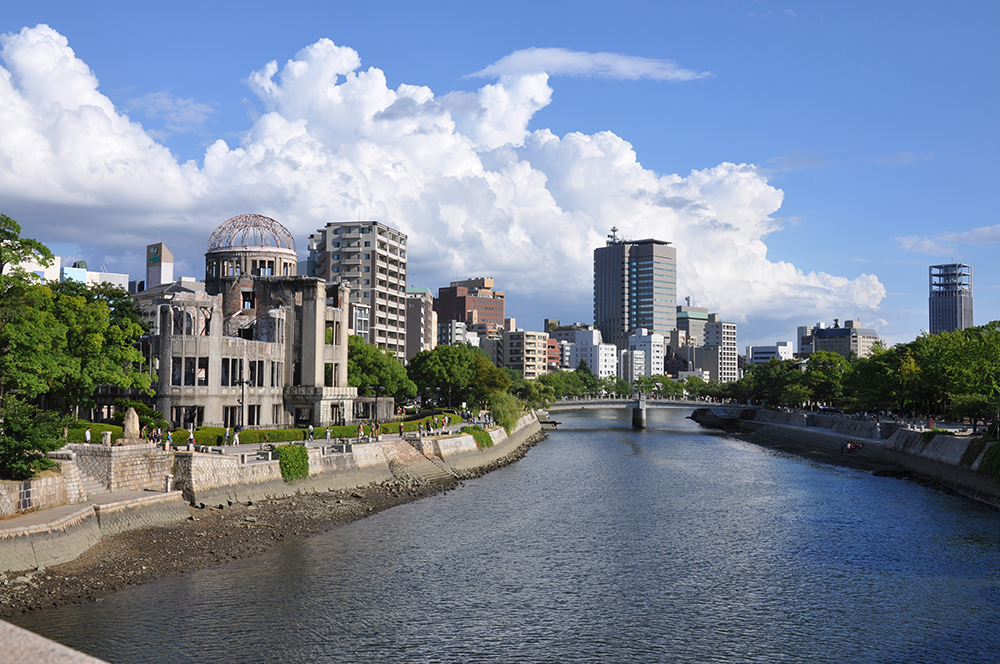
pixel 808 160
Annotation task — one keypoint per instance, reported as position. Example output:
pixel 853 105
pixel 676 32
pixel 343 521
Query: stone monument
pixel 131 434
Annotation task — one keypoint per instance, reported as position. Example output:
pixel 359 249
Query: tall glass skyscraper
pixel 635 286
pixel 950 297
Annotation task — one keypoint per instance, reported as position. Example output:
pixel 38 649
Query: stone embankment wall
pixel 62 539
pixel 211 478
pixel 218 478
pixel 123 467
pixel 44 492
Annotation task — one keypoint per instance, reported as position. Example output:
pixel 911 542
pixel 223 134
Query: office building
pixel 635 285
pixel 370 258
pixel 652 347
pixel 781 350
pixel 851 339
pixel 472 301
pixel 950 302
pixel 421 321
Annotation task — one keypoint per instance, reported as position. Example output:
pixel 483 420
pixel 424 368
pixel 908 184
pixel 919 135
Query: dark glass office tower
pixel 950 297
pixel 635 286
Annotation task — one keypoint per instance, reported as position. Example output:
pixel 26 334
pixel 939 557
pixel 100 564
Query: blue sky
pixel 866 134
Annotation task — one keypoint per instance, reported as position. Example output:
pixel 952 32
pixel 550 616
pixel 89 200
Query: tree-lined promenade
pixel 951 374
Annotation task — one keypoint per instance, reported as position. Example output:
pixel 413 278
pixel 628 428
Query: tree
pixel 447 371
pixel 15 250
pixel 591 383
pixel 533 392
pixel 375 372
pixel 564 383
pixel 487 379
pixel 694 385
pixel 102 327
pixel 26 435
pixel 824 378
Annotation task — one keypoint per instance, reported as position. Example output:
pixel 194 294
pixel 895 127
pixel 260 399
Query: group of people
pixel 849 446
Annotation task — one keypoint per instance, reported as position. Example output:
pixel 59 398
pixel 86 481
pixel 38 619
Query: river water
pixel 604 544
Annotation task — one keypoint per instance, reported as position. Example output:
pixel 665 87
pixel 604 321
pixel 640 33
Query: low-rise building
pixel 781 350
pixel 851 339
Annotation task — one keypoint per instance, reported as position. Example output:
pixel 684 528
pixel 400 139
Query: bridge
pixel 638 406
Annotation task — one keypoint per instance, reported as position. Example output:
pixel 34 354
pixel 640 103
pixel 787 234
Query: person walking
pixel 225 437
pixel 191 437
pixel 328 435
pixel 86 435
pixel 310 432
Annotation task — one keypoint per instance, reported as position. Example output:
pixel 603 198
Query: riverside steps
pixel 887 448
pixel 218 475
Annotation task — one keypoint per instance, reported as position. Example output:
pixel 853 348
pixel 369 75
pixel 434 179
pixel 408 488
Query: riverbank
pixel 215 535
pixel 940 461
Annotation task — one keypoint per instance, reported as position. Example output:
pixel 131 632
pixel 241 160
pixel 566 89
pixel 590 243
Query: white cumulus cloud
pixel 478 192
pixel 564 62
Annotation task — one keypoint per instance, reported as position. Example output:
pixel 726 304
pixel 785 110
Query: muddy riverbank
pixel 213 535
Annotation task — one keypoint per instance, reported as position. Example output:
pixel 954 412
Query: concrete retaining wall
pixel 57 541
pixel 64 538
pixel 154 510
pixel 856 429
pixel 777 417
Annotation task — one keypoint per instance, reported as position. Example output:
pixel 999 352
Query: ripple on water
pixel 604 544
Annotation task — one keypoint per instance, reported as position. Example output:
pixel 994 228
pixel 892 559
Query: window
pixel 189 371
pixel 337 243
pixel 202 371
pixel 367 269
pixel 336 257
pixel 253 415
pixel 248 300
pixel 367 243
pixel 224 375
pixel 336 269
pixel 367 256
pixel 176 370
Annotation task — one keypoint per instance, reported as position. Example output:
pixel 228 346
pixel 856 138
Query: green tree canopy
pixel 375 372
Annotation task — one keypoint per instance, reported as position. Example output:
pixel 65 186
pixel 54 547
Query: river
pixel 604 544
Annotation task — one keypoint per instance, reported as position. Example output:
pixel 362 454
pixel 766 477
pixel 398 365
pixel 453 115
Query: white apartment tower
pixel 370 257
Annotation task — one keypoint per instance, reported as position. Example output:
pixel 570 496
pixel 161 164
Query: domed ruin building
pixel 255 344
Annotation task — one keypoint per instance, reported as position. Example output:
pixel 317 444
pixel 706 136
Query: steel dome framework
pixel 250 230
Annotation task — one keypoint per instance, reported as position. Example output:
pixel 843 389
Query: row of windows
pixel 193 372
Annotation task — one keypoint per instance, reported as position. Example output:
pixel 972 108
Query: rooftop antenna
pixel 614 235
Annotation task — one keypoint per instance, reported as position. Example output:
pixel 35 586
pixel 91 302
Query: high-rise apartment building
pixel 421 321
pixel 471 301
pixel 720 347
pixel 370 257
pixel 950 302
pixel 635 285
